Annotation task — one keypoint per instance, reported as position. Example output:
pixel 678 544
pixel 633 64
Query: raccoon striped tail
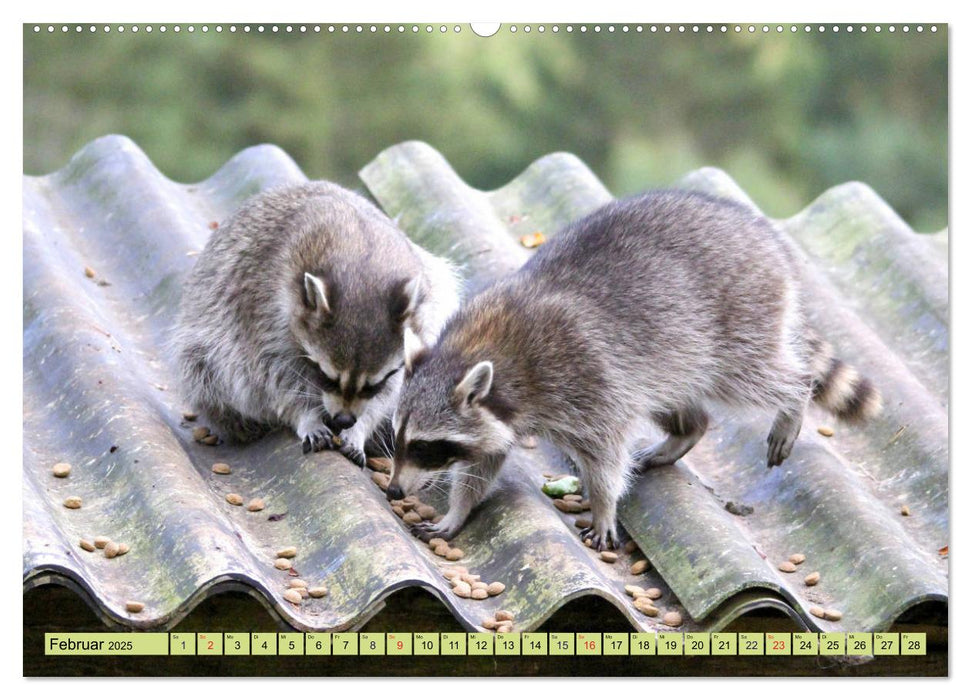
pixel 839 388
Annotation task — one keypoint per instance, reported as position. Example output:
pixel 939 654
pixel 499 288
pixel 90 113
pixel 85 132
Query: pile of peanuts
pixel 466 585
pixel 202 435
pixel 644 602
pixel 502 622
pixel 572 503
pixel 789 566
pixel 111 549
pixel 296 589
pixel 410 508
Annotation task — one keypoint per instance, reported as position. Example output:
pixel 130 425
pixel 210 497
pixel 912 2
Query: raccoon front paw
pixel 320 439
pixel 353 453
pixel 600 539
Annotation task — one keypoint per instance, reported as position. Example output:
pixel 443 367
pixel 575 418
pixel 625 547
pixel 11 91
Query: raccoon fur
pixel 295 315
pixel 656 306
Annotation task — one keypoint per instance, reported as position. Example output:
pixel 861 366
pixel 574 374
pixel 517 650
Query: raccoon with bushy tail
pixel 657 306
pixel 295 315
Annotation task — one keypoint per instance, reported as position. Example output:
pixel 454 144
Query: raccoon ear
pixel 315 296
pixel 414 349
pixel 406 299
pixel 476 384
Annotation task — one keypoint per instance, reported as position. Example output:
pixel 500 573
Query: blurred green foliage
pixel 787 115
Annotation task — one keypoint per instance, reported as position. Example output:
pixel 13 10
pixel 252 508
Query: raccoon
pixel 295 316
pixel 656 306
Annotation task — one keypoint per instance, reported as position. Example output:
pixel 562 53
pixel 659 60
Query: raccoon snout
pixel 344 420
pixel 395 493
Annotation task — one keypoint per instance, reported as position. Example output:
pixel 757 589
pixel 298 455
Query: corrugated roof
pixel 99 394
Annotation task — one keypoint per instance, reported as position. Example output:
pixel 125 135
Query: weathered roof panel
pixel 100 393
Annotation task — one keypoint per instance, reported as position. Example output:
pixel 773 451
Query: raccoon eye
pixel 329 384
pixel 321 379
pixel 435 454
pixel 370 390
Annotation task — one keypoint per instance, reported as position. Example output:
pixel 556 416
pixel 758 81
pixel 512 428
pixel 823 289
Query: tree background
pixel 787 115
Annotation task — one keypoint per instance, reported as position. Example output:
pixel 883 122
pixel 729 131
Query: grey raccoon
pixel 295 315
pixel 656 306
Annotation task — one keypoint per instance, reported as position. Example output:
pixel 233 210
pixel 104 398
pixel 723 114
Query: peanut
pixel 672 619
pixel 495 588
pixel 62 469
pixel 644 606
pixel 567 506
pixel 638 567
pixel 255 505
